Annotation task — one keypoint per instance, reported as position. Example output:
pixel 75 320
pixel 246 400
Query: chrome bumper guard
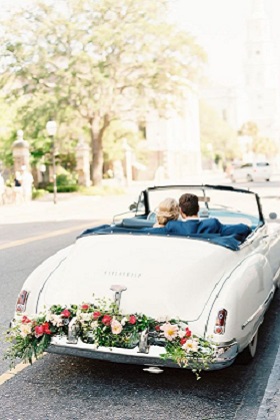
pixel 225 353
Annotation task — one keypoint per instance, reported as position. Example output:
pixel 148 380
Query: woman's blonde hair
pixel 167 210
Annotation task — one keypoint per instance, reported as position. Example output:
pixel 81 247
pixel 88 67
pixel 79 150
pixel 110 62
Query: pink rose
pixel 85 307
pixel 188 332
pixel 25 319
pixel 66 313
pixel 96 315
pixel 106 320
pixel 132 319
pixel 39 331
pixel 183 340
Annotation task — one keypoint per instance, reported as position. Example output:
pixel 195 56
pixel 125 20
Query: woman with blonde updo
pixel 167 210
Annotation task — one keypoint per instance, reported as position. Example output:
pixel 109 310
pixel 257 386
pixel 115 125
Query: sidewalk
pixel 73 206
pixel 69 206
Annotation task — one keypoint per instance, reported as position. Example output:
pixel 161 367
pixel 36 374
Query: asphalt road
pixel 58 387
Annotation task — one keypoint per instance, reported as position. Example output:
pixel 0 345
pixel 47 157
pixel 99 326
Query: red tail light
pixel 220 324
pixel 22 301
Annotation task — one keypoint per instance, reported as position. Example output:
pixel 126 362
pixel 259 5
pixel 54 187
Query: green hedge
pixel 64 183
pixel 63 188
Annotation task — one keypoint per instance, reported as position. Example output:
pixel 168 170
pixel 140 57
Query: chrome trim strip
pixel 225 354
pixel 260 309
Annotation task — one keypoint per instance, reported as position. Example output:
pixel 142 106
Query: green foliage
pixel 102 324
pixel 65 179
pixel 115 136
pixel 265 146
pixel 65 182
pixel 86 63
pixel 260 145
pixel 249 128
pixel 38 193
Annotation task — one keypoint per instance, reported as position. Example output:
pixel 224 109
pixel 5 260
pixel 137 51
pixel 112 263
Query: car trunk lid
pixel 163 276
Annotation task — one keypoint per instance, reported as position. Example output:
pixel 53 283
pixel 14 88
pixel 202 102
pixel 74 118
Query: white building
pixel 262 74
pixel 174 142
pixel 257 98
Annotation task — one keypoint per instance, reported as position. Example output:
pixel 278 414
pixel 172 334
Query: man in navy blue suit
pixel 189 208
pixel 191 224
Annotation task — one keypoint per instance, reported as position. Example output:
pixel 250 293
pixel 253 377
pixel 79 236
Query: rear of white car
pixel 258 171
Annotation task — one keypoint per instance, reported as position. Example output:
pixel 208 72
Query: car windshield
pixel 212 200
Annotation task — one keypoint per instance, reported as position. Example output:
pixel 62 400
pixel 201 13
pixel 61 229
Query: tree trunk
pixel 97 128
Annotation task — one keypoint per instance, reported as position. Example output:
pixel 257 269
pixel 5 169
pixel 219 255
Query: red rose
pixel 66 313
pixel 85 307
pixel 106 320
pixel 96 315
pixel 132 319
pixel 39 331
pixel 157 327
pixel 25 320
pixel 188 332
pixel 183 340
pixel 46 328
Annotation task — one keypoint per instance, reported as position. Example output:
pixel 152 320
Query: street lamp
pixel 51 129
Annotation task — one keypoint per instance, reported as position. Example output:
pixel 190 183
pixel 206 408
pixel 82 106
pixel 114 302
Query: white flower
pixel 182 333
pixel 190 345
pixel 85 317
pixel 163 319
pixel 56 320
pixel 94 325
pixel 124 321
pixel 116 327
pixel 25 329
pixel 170 331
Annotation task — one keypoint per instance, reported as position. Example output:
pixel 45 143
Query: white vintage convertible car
pixel 125 292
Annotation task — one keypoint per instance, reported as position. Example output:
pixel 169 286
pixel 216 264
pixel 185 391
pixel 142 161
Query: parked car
pixel 123 294
pixel 259 171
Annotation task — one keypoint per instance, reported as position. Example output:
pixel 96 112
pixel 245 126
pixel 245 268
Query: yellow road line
pixel 43 236
pixel 13 372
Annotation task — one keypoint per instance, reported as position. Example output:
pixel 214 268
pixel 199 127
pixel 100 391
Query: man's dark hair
pixel 188 203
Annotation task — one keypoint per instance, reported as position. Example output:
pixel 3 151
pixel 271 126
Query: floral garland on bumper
pixel 103 324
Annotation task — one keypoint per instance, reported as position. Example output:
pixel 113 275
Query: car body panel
pixel 161 266
pixel 187 278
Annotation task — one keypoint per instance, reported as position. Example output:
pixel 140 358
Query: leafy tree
pixel 249 128
pixel 89 62
pixel 265 146
pixel 260 145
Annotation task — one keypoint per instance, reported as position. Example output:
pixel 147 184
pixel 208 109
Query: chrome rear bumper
pixel 225 354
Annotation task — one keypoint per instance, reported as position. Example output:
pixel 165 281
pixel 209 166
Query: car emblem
pixel 118 289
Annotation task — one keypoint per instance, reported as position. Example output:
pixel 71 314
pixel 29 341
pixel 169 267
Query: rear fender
pixel 36 280
pixel 245 295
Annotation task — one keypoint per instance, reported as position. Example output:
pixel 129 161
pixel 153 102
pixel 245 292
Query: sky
pixel 220 27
